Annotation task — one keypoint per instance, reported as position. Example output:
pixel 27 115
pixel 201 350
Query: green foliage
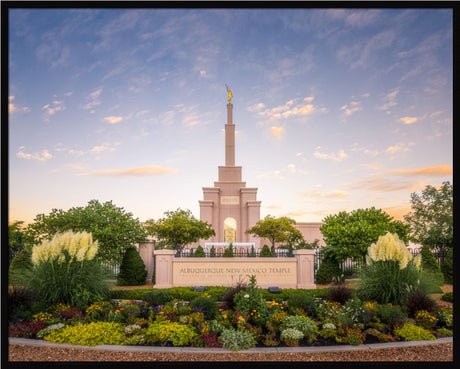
pixel 291 336
pixel 132 269
pixel 303 324
pixel 199 253
pixel 445 317
pixel 19 301
pixel 431 219
pixel 236 340
pixel 212 252
pixel 164 331
pixel 208 304
pixel 446 332
pixel 265 252
pixel 228 252
pixel 305 301
pixel 100 333
pixel 276 230
pixel 411 332
pixel 229 296
pixel 328 269
pixel 252 302
pixel 113 228
pixel 429 262
pixel 448 296
pixel 448 266
pixel 157 297
pixel 252 253
pixel 20 268
pixel 16 240
pixel 178 229
pixel 350 234
pixel 391 314
pixel 65 270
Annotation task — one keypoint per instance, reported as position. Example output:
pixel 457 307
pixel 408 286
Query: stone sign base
pixel 285 272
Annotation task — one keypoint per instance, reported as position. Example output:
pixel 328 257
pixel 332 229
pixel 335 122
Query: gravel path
pixel 435 352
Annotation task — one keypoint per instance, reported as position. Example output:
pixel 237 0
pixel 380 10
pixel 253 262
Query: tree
pixel 178 229
pixel 276 229
pixel 431 219
pixel 115 229
pixel 132 269
pixel 349 235
pixel 15 240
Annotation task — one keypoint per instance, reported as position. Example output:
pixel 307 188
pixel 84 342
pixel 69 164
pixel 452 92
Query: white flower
pixel 246 296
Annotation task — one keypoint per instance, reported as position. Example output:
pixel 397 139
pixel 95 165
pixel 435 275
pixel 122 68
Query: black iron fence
pixel 237 252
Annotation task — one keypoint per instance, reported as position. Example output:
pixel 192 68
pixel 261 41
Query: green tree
pixel 15 239
pixel 115 229
pixel 265 252
pixel 431 219
pixel 178 229
pixel 132 269
pixel 349 235
pixel 199 253
pixel 276 229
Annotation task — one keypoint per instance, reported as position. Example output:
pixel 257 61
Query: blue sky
pixel 335 109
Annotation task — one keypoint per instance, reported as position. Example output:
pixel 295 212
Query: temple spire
pixel 229 134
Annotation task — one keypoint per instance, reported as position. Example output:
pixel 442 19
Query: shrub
pixel 291 336
pixel 100 333
pixel 445 332
pixel 447 267
pixel 25 329
pixel 265 252
pixel 19 301
pixel 252 253
pixel 228 252
pixel 228 296
pixel 252 302
pixel 418 300
pixel 391 315
pixel 166 332
pixel 425 320
pixel 237 340
pixel 207 303
pixel 446 317
pixel 303 301
pixel 64 270
pixel 429 262
pixel 132 269
pixel 389 271
pixel 46 331
pixel 354 314
pixel 212 252
pixel 206 340
pixel 20 266
pixel 157 297
pixel 448 296
pixel 411 332
pixel 328 269
pixel 340 294
pixel 199 253
pixel 303 324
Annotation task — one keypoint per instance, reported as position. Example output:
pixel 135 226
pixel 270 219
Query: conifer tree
pixel 132 269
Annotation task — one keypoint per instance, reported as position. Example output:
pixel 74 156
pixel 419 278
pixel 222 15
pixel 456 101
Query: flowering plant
pixel 424 319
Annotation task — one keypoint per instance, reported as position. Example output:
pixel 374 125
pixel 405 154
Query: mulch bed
pixel 436 352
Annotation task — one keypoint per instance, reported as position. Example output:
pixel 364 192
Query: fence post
pixel 305 268
pixel 164 268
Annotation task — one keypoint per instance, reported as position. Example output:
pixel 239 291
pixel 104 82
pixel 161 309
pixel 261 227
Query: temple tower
pixel 230 207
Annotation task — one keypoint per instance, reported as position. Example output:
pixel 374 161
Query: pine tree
pixel 199 253
pixel 132 269
pixel 265 252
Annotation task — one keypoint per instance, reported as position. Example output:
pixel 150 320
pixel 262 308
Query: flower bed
pixel 254 321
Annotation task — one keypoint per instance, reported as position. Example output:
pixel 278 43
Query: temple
pixel 230 207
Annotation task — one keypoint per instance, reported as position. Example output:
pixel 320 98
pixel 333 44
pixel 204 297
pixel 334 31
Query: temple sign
pixel 229 95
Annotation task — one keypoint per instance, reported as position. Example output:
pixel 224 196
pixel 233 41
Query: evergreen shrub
pixel 199 253
pixel 20 266
pixel 447 267
pixel 157 297
pixel 328 270
pixel 265 252
pixel 228 252
pixel 132 269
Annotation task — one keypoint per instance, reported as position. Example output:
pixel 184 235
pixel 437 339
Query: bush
pixel 166 332
pixel 303 324
pixel 157 297
pixel 19 301
pixel 448 296
pixel 429 262
pixel 418 300
pixel 208 304
pixel 65 271
pixel 411 332
pixel 100 333
pixel 20 266
pixel 265 252
pixel 228 296
pixel 391 315
pixel 132 269
pixel 291 336
pixel 199 253
pixel 237 340
pixel 303 301
pixel 228 252
pixel 328 270
pixel 447 267
pixel 340 294
pixel 212 252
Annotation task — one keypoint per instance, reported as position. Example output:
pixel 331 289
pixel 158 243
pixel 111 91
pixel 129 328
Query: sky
pixel 335 109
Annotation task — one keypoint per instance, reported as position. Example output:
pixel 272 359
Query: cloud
pixel 277 132
pixel 291 168
pixel 434 171
pixel 408 120
pixel 353 107
pixel 256 107
pixel 385 185
pixel 113 120
pixel 43 156
pixel 341 155
pixel 396 148
pixel 335 194
pixel 148 170
pixel 389 100
pixel 52 108
pixel 13 108
pixel 101 148
pixel 93 99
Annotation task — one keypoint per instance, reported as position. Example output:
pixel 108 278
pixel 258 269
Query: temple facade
pixel 230 207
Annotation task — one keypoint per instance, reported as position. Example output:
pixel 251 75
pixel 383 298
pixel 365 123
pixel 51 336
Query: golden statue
pixel 229 95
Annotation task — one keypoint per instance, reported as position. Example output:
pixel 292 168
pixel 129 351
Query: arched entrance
pixel 229 229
